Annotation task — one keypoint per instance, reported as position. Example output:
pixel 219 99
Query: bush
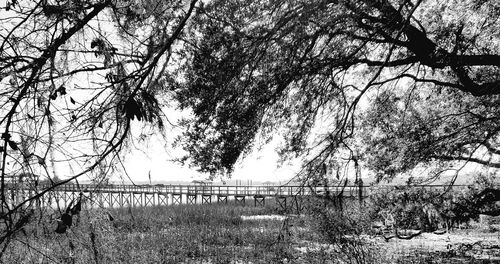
pixel 428 209
pixel 411 208
pixel 342 229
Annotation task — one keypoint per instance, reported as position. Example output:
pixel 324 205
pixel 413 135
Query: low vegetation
pixel 234 234
pixel 172 234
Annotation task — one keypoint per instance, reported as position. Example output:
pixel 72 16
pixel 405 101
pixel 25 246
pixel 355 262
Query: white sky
pixel 260 166
pixel 155 157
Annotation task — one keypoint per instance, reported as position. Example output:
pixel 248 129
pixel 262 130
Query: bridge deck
pixel 151 195
pixel 233 190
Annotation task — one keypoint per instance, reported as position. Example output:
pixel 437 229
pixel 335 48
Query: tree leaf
pixel 132 109
pixel 6 136
pixel 13 145
pixel 62 90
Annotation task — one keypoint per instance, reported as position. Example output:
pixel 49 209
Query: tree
pixel 307 70
pixel 425 127
pixel 75 75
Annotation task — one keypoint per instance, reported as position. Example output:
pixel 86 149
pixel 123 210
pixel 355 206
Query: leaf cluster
pixel 302 70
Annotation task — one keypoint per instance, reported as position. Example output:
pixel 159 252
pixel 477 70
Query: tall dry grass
pixel 171 234
pixel 208 234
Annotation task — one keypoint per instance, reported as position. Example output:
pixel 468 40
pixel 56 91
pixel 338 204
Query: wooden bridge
pixel 112 195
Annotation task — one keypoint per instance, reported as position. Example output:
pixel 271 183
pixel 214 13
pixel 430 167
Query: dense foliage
pixel 429 209
pixel 413 127
pixel 307 70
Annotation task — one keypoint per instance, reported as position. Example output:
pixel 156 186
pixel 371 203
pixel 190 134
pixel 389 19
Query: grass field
pixel 173 234
pixel 203 234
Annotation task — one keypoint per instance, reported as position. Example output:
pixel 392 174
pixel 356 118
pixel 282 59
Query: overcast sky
pixel 261 166
pixel 154 156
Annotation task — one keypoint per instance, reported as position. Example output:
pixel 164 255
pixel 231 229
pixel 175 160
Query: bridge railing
pixel 239 190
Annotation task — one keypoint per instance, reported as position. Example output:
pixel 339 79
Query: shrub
pixel 342 229
pixel 428 209
pixel 415 208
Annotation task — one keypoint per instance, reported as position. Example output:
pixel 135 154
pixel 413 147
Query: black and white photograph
pixel 249 131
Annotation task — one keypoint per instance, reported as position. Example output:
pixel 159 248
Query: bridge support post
pixel 126 199
pixel 115 199
pixel 259 200
pixel 239 199
pixel 221 198
pixel 281 201
pixel 176 198
pixel 206 198
pixel 149 199
pixel 136 201
pixel 109 199
pixel 191 198
pixel 120 199
pixel 162 199
pixel 298 203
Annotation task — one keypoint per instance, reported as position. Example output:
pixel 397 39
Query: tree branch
pixel 394 63
pixel 429 54
pixel 491 148
pixel 37 66
pixel 462 158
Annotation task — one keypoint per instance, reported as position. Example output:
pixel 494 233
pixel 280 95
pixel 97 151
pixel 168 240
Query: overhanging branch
pixel 462 158
pixel 491 148
pixel 428 53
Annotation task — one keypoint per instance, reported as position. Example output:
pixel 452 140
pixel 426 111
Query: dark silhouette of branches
pixel 76 76
pixel 250 74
